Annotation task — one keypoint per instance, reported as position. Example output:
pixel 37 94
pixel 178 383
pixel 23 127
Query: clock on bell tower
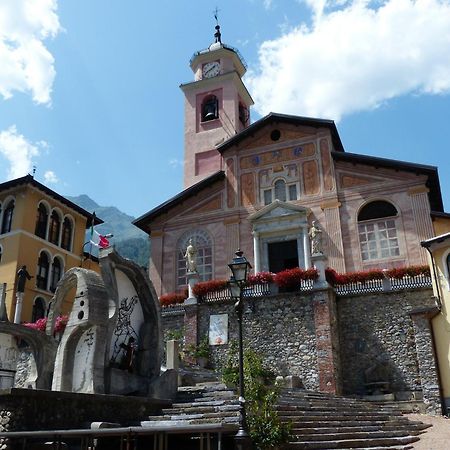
pixel 217 106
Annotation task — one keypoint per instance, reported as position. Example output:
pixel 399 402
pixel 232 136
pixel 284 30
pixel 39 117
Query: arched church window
pixel 42 271
pixel 38 309
pixel 378 231
pixel 280 191
pixel 41 221
pixel 56 273
pixel 55 226
pixel 210 108
pixel 66 238
pixel 7 217
pixel 203 244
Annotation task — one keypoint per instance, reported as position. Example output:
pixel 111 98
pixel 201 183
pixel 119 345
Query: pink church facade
pixel 259 187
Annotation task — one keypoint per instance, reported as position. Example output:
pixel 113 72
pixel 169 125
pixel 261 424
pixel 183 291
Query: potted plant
pixel 201 353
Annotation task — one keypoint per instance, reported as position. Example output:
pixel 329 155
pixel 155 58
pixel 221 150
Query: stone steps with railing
pixel 319 421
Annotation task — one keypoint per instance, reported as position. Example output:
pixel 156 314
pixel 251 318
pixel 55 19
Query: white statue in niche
pixel 315 234
pixel 191 257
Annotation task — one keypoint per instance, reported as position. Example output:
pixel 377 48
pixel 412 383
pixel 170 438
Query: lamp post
pixel 239 268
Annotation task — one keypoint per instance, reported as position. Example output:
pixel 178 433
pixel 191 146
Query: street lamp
pixel 239 268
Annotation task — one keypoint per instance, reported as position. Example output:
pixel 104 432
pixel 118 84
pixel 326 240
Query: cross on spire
pixel 217 34
pixel 216 15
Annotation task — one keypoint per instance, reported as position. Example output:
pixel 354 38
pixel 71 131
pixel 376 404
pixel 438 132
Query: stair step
pixel 200 409
pixel 322 436
pixel 366 428
pixel 354 443
pixel 337 423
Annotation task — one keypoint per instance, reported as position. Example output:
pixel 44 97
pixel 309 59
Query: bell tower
pixel 217 106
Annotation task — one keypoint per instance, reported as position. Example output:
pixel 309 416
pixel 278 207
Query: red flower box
pixel 260 278
pixel 292 278
pixel 203 288
pixel 172 299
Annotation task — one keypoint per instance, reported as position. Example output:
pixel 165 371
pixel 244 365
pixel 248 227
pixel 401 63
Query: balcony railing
pixel 261 290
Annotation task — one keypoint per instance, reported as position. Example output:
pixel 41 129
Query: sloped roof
pixel 284 118
pixel 142 222
pixel 28 179
pixel 431 172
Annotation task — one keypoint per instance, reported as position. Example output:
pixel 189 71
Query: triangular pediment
pixel 278 210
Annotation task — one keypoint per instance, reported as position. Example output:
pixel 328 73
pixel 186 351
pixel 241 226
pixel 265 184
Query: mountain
pixel 128 240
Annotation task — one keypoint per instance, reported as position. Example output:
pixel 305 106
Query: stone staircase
pixel 319 421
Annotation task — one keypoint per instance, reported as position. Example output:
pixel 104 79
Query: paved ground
pixel 435 438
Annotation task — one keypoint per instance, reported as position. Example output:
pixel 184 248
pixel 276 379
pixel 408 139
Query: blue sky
pixel 89 89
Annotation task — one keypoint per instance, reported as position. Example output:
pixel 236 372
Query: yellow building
pixel 44 231
pixel 439 251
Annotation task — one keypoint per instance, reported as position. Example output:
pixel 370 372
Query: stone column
pixel 190 325
pixel 426 357
pixel 191 315
pixel 192 278
pixel 320 263
pixel 19 302
pixel 327 341
pixel 256 252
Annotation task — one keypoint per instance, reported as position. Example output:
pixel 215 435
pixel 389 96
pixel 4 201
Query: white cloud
pixel 26 65
pixel 175 162
pixel 50 177
pixel 18 151
pixel 355 56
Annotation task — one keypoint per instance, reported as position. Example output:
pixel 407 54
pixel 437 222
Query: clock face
pixel 211 69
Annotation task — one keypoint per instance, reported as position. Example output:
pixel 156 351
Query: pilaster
pixel 327 341
pixel 334 244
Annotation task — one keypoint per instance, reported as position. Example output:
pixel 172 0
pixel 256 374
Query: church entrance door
pixel 282 255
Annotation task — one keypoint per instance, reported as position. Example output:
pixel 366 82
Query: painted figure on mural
pixel 191 257
pixel 315 234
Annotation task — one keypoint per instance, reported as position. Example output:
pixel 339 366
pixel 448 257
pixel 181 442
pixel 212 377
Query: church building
pixel 259 186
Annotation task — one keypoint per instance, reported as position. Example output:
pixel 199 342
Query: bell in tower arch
pixel 210 109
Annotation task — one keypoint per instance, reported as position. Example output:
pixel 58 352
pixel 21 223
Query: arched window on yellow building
pixel 41 221
pixel 55 226
pixel 43 271
pixel 7 217
pixel 66 238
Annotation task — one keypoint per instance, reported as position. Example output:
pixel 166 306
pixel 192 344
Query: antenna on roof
pixel 217 34
pixel 34 170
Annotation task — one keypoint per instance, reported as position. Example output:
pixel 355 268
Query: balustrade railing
pixel 358 287
pixel 386 285
pixel 172 310
pixel 407 282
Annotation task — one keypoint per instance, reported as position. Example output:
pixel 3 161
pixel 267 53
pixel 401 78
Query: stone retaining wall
pixel 377 335
pixel 311 335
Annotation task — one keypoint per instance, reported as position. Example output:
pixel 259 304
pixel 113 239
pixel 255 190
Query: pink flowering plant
pixel 41 324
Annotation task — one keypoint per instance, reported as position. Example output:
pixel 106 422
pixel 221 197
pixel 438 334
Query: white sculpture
pixel 315 234
pixel 191 257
